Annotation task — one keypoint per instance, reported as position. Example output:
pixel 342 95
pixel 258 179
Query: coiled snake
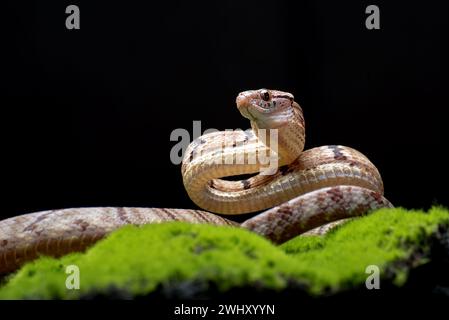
pixel 306 190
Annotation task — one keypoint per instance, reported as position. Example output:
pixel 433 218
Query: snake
pixel 225 173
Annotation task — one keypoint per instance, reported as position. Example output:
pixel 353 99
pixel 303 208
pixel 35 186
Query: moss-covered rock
pixel 178 259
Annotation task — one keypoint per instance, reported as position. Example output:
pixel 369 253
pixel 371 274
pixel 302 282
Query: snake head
pixel 267 108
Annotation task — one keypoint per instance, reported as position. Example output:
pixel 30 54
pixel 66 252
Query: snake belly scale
pixel 307 190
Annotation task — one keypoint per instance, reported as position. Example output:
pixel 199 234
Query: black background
pixel 86 115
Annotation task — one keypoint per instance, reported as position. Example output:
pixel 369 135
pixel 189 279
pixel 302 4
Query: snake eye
pixel 265 95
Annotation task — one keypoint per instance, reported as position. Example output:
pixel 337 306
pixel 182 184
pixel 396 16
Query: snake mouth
pixel 256 115
pixel 249 115
pixel 243 104
pixel 261 109
pixel 244 112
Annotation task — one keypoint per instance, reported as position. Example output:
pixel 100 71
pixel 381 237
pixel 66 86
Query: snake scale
pixel 307 189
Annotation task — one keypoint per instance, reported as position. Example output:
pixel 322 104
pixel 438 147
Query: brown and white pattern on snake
pixel 216 143
pixel 315 168
pixel 313 210
pixel 58 232
pixel 352 162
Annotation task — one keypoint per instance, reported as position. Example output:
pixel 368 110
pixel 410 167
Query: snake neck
pixel 287 140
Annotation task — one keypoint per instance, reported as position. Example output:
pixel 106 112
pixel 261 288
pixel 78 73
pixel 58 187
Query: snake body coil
pixel 305 190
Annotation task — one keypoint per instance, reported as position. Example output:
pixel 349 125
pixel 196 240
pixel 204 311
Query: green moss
pixel 384 238
pixel 138 260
